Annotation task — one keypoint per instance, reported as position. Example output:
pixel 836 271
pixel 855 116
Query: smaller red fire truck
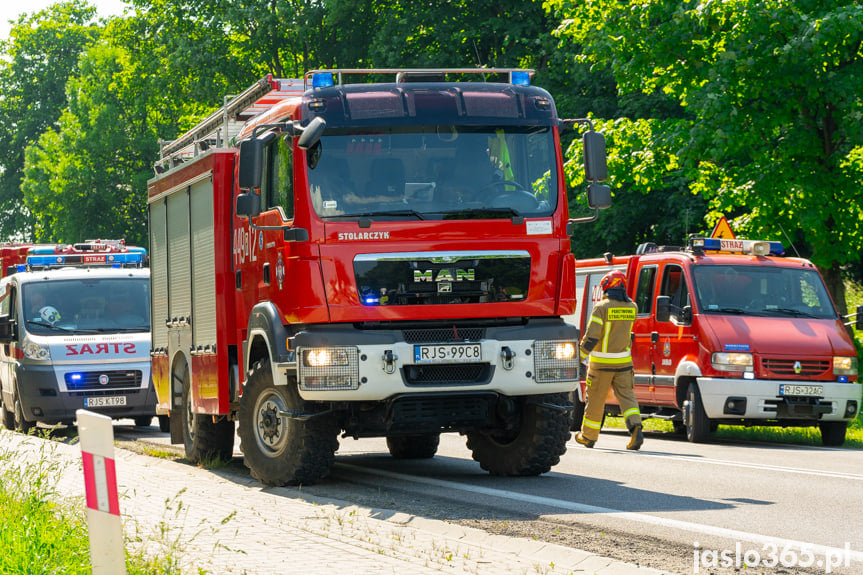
pixel 731 332
pixel 75 333
pixel 13 255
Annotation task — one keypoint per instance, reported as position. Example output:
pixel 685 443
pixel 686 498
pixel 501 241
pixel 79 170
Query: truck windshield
pixel 761 290
pixel 435 172
pixel 87 305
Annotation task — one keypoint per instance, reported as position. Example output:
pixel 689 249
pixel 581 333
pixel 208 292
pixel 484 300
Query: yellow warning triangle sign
pixel 722 230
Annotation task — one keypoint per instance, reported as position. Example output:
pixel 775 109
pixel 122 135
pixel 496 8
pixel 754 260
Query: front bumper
pixel 722 400
pixel 383 363
pixel 46 398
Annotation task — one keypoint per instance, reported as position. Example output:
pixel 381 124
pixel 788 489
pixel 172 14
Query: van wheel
pixel 833 432
pixel 279 450
pixel 532 446
pixel 143 421
pixel 8 416
pixel 21 424
pixel 695 420
pixel 203 438
pixel 413 446
pixel 165 423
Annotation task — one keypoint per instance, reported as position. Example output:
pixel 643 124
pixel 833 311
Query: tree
pixel 87 179
pixel 774 91
pixel 41 55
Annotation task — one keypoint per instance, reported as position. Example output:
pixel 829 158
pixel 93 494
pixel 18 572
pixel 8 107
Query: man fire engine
pixel 731 332
pixel 379 259
pixel 75 329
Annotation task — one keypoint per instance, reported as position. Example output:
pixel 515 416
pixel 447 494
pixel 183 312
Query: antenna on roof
pixel 789 239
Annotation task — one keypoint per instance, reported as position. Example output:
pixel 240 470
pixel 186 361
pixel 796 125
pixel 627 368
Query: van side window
pixel 644 292
pixel 278 184
pixel 674 286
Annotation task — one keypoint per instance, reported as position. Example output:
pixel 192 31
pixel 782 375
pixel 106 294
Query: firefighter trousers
pixel 597 383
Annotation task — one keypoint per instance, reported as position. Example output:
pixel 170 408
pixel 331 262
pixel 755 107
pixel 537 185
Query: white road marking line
pixel 708 530
pixel 698 459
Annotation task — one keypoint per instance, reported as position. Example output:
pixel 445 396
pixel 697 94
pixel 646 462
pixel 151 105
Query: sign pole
pixel 107 553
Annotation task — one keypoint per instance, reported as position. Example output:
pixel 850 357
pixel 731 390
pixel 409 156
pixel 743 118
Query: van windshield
pixel 761 290
pixel 86 305
pixel 435 172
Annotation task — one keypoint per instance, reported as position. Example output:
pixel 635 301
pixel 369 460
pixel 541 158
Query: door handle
pixel 654 337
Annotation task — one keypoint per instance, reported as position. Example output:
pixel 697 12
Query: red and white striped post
pixel 107 553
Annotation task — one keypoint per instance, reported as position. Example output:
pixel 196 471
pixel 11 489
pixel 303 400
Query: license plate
pixel 801 390
pixel 107 401
pixel 447 353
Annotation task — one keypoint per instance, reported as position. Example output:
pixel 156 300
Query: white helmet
pixel 49 314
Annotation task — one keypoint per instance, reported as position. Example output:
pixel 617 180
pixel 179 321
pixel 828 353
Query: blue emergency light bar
pixel 95 259
pixel 753 247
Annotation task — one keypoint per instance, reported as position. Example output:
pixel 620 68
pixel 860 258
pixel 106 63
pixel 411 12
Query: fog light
pixel 851 408
pixel 735 406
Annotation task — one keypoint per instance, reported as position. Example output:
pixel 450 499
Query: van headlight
pixel 36 351
pixel 328 368
pixel 732 361
pixel 555 360
pixel 845 366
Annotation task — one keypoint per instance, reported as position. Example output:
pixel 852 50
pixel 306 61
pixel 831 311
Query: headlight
pixel 731 361
pixel 555 361
pixel 37 351
pixel 845 365
pixel 325 357
pixel 328 368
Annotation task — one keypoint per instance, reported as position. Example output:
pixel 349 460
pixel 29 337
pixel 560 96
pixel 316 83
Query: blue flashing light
pixel 75 377
pixel 322 80
pixel 842 379
pixel 520 78
pixel 37 251
pixel 372 301
pixel 42 261
pixel 21 267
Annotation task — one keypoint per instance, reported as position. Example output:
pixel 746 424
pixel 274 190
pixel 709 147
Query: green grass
pixel 43 534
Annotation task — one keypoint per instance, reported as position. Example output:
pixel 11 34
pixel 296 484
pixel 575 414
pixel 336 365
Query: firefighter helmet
pixel 49 314
pixel 612 279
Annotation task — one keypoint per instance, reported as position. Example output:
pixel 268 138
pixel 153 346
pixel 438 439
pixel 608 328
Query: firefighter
pixel 606 342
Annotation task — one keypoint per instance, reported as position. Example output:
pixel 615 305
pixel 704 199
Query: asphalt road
pixel 686 508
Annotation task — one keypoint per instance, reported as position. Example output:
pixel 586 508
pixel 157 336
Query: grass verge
pixel 46 534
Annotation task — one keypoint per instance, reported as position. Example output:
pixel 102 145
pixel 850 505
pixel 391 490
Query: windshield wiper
pixel 733 310
pixel 481 214
pixel 411 213
pixel 789 311
pixel 49 326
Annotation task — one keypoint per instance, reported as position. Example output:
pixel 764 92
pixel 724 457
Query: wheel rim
pixel 271 433
pixel 190 419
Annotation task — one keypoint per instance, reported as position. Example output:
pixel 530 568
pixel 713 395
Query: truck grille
pixel 448 374
pixel 444 335
pixel 786 367
pixel 89 380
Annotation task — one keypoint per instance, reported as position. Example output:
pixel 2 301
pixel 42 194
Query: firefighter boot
pixel 636 437
pixel 579 438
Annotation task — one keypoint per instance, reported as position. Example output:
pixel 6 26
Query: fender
pixel 265 323
pixel 687 368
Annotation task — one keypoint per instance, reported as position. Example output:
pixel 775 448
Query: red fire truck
pixel 13 256
pixel 731 332
pixel 383 259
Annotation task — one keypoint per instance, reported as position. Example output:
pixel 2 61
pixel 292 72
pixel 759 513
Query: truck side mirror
pixel 312 133
pixel 248 205
pixel 598 196
pixel 859 324
pixel 595 163
pixel 7 329
pixel 251 164
pixel 663 308
pixel 686 315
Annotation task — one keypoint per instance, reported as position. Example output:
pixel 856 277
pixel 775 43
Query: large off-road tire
pixel 21 424
pixel 280 450
pixel 533 447
pixel 695 419
pixel 203 438
pixel 833 432
pixel 413 446
pixel 8 415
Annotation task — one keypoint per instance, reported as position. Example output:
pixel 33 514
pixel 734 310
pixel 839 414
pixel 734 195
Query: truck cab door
pixel 672 340
pixel 642 332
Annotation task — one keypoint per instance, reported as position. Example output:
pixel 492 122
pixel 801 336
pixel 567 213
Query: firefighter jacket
pixel 608 337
